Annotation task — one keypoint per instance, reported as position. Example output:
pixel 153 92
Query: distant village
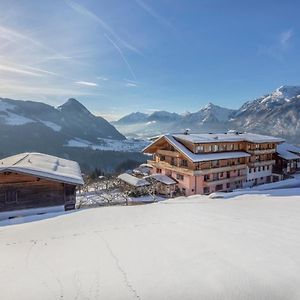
pixel 182 164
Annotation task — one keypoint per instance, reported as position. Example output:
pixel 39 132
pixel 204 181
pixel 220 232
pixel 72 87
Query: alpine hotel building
pixel 205 163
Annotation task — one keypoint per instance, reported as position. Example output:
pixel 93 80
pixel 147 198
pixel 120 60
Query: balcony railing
pixel 225 180
pixel 261 163
pixel 261 151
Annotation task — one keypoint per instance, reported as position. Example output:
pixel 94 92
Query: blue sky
pixel 120 56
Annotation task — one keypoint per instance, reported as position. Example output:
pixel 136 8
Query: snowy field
pixel 246 247
pixel 129 145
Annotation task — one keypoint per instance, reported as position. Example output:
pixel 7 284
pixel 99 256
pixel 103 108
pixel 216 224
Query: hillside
pixel 185 248
pixel 69 130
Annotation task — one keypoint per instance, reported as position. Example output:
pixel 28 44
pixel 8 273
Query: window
pixel 184 163
pixel 219 187
pixel 221 174
pixel 199 148
pixel 206 177
pixel 162 158
pixel 208 148
pixel 230 147
pixel 11 197
pixel 173 161
pixel 228 185
pixel 258 169
pixel 179 177
pixel 158 170
pixel 215 163
pixel 250 170
pixel 206 190
pixel 215 148
pixel 263 168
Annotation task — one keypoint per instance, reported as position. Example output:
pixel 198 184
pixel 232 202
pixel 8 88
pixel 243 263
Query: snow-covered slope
pixel 186 248
pixel 210 117
pixel 27 126
pixel 277 113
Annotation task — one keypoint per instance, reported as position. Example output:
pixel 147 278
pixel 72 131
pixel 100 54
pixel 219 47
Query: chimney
pixel 186 131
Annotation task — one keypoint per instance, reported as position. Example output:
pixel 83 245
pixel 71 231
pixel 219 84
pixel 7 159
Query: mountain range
pixel 277 113
pixel 69 130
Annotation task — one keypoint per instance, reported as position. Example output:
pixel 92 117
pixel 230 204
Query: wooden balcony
pixel 168 153
pixel 167 166
pixel 184 170
pixel 220 169
pixel 261 163
pixel 225 180
pixel 261 151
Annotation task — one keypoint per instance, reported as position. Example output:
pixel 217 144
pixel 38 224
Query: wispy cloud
pixel 85 12
pixel 86 83
pixel 102 78
pixel 285 37
pixel 122 56
pixel 279 47
pixel 130 84
pixel 12 69
pixel 154 14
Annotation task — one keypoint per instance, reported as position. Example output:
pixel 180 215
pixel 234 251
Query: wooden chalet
pixel 37 181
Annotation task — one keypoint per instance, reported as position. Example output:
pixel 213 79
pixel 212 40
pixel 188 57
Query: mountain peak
pixel 288 91
pixel 73 105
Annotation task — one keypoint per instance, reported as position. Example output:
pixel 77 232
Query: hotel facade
pixel 206 163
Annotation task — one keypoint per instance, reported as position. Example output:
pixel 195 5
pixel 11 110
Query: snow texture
pixel 286 151
pixel 132 180
pixel 52 125
pixel 129 145
pixel 44 166
pixel 163 179
pixel 185 248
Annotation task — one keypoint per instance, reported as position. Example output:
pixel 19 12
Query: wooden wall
pixel 18 191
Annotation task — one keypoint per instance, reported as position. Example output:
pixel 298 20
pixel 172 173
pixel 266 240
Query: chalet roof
pixel 227 137
pixel 287 151
pixel 201 157
pixel 163 179
pixel 43 166
pixel 132 180
pixel 288 147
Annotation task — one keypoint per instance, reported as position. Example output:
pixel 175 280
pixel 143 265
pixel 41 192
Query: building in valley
pixel 33 183
pixel 205 163
pixel 287 159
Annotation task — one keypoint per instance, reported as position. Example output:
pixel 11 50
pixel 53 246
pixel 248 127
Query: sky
pixel 122 56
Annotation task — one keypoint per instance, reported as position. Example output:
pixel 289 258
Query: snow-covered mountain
pixel 136 117
pixel 210 117
pixel 277 113
pixel 69 130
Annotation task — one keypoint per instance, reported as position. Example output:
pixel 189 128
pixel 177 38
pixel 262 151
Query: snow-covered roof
pixel 227 137
pixel 201 157
pixel 288 147
pixel 287 155
pixel 132 180
pixel 144 165
pixel 163 179
pixel 43 166
pixel 174 140
pixel 287 151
